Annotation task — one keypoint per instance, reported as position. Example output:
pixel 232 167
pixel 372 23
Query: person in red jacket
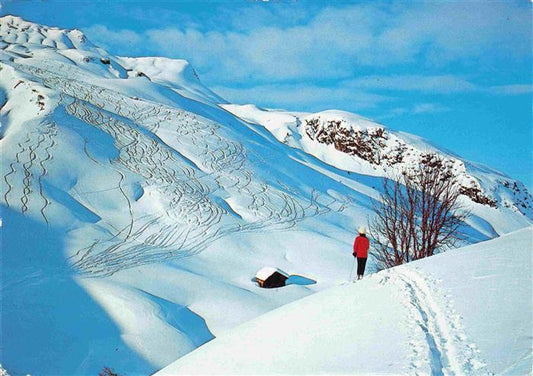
pixel 360 250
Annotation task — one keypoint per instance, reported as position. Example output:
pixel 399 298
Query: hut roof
pixel 267 271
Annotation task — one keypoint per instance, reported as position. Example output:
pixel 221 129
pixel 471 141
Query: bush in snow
pixel 418 214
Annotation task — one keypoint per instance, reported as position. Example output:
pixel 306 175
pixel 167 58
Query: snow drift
pixel 464 312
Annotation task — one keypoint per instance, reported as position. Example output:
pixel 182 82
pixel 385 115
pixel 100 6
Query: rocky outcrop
pixel 379 147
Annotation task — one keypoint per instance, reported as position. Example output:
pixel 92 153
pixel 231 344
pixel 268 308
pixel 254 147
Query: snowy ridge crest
pixel 386 153
pixel 18 32
pixel 22 39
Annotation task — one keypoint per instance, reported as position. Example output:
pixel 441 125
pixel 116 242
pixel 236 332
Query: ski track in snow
pixel 30 161
pixel 446 349
pixel 192 220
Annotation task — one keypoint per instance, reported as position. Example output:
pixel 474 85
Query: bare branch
pixel 418 214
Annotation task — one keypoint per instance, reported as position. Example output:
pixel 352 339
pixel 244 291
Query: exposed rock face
pixel 379 147
pixel 364 144
pixel 476 195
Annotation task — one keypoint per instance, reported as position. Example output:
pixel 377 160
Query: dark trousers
pixel 361 263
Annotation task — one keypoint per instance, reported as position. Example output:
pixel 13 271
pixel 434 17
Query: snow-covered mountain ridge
pixel 385 152
pixel 137 210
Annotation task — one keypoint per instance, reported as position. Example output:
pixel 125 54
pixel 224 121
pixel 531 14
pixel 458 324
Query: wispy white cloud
pixel 125 39
pixel 302 96
pixel 336 41
pixel 455 31
pixel 409 110
pixel 365 92
pixel 442 84
pixel 329 58
pixel 423 108
pixel 511 89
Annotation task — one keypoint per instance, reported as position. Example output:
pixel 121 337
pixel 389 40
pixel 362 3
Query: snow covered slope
pixel 135 213
pixel 353 143
pixel 464 312
pixel 136 210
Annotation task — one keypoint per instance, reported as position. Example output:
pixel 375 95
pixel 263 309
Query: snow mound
pixel 347 119
pixel 162 69
pixel 464 312
pixel 176 73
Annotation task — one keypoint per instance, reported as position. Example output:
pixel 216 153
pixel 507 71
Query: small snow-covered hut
pixel 271 277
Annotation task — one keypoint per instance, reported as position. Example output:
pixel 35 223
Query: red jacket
pixel 360 247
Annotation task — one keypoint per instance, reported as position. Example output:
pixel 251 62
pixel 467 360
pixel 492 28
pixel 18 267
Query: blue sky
pixel 457 73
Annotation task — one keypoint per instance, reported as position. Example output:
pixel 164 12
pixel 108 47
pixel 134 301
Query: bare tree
pixel 418 214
